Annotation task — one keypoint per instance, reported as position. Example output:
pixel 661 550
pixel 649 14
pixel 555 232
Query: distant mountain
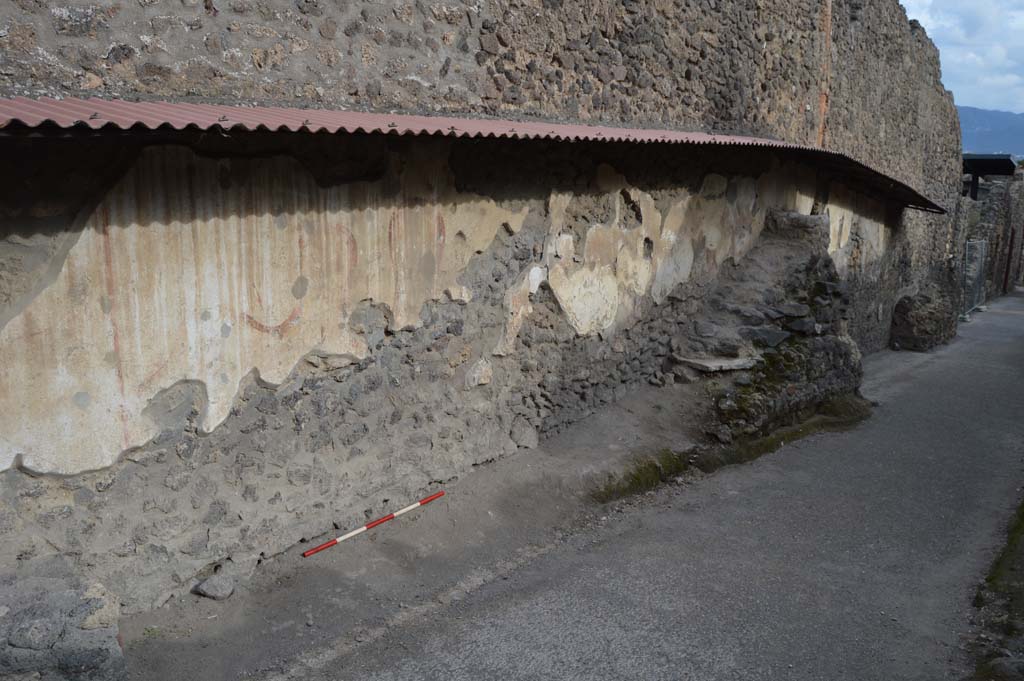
pixel 992 132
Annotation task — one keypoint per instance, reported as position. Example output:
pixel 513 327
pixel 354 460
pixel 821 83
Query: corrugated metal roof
pixel 100 114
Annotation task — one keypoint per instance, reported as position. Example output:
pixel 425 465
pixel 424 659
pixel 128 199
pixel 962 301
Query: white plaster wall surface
pixel 205 270
pixel 178 277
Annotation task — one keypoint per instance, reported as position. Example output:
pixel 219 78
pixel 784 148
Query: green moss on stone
pixel 647 473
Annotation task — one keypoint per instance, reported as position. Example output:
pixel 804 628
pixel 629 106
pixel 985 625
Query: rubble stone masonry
pixel 211 346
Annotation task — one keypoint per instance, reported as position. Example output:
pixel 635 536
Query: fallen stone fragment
pixel 717 364
pixel 924 321
pixel 524 434
pixel 219 587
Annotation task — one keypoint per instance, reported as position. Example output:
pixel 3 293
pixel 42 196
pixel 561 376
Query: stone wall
pixel 245 348
pixel 851 75
pixel 925 316
pixel 887 107
pixel 848 75
pixel 997 216
pixel 246 337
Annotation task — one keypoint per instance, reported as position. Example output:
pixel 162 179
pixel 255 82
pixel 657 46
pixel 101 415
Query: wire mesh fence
pixel 974 274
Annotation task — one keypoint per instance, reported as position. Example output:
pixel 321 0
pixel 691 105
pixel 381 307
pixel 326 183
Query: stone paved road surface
pixel 844 556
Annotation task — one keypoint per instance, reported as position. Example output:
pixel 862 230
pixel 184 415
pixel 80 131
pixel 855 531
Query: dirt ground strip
pixel 493 520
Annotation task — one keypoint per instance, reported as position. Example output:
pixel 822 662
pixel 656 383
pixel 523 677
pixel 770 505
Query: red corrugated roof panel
pixel 124 115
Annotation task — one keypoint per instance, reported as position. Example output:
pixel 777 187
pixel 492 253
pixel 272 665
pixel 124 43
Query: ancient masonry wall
pixel 997 216
pixel 243 345
pixel 1016 255
pixel 242 352
pixel 851 75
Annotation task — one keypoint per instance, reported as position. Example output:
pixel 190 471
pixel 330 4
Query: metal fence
pixel 974 274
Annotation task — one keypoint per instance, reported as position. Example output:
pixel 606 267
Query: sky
pixel 982 48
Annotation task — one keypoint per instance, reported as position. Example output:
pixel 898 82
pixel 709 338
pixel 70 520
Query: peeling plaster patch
pixel 202 284
pixel 600 288
pixel 517 308
pixel 28 264
pixel 536 277
pixel 853 215
pixel 675 261
pixel 588 296
pixel 172 250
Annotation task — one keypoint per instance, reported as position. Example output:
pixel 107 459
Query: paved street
pixel 848 555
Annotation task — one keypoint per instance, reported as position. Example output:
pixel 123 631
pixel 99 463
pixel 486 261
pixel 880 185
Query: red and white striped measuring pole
pixel 375 523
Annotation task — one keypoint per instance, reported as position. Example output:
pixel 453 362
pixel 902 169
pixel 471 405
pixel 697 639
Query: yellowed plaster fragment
pixel 600 289
pixel 851 214
pixel 589 296
pixel 187 273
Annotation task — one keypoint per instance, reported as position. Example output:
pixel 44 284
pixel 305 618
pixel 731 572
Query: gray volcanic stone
pixel 524 434
pixel 803 325
pixel 55 628
pixel 748 315
pixel 923 322
pixel 219 587
pixel 793 310
pixel 705 329
pixel 36 628
pixel 767 336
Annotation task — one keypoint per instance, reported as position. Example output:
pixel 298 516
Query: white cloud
pixel 982 48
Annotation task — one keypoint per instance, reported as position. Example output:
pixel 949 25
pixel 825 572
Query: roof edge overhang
pixel 106 114
pixel 989 164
